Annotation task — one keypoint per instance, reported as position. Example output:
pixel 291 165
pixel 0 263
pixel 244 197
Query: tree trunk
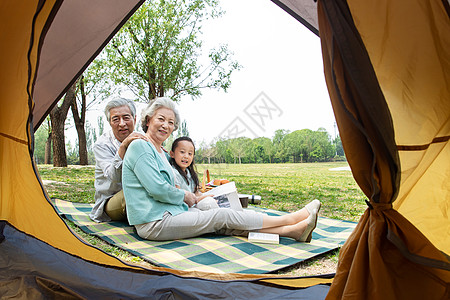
pixel 82 144
pixel 58 117
pixel 79 124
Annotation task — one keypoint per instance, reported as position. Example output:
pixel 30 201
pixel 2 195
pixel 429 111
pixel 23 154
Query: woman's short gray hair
pixel 156 104
pixel 117 102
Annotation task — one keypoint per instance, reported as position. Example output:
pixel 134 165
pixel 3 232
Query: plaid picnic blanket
pixel 212 253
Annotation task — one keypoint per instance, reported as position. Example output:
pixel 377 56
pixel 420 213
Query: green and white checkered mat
pixel 212 253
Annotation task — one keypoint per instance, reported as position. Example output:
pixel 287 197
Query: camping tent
pixel 387 67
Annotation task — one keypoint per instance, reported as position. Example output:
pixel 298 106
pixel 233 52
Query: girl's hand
pixel 189 198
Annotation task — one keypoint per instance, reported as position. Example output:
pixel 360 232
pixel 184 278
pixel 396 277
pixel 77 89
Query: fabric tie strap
pixel 379 206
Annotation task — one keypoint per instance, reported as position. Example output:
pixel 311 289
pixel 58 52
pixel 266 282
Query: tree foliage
pixel 339 148
pixel 40 139
pixel 183 130
pixel 90 91
pixel 156 53
pixel 84 93
pixel 299 146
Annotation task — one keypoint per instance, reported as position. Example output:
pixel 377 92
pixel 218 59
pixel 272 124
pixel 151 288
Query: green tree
pixel 90 91
pixel 309 146
pixel 100 126
pixel 239 148
pixel 168 143
pixel 263 150
pixel 200 156
pixel 72 153
pixel 258 154
pixel 279 149
pixel 40 139
pixel 224 154
pixel 295 144
pixel 338 145
pixel 183 130
pixel 210 151
pixel 156 53
pixel 79 118
pixel 323 141
pixel 91 138
pixel 48 143
pixel 85 92
pixel 269 149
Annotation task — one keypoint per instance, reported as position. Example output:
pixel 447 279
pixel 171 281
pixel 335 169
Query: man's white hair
pixel 117 102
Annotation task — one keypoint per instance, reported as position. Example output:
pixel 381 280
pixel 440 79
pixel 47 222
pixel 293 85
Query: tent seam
pixel 14 138
pixel 429 262
pixel 436 140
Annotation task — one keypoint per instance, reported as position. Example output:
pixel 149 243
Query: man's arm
pixel 109 161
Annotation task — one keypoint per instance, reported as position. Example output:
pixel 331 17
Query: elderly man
pixel 109 151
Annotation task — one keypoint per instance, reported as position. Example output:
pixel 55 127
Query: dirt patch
pixel 319 267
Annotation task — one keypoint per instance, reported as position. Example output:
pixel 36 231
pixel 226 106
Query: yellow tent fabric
pixel 23 202
pixel 410 51
pixel 381 80
pixel 387 66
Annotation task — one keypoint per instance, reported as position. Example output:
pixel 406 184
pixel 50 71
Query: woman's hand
pixel 189 198
pixel 202 196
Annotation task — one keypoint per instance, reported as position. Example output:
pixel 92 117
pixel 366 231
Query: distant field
pixel 286 187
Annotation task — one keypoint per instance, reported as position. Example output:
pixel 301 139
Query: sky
pixel 281 84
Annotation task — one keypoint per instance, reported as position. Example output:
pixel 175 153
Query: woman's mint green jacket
pixel 148 185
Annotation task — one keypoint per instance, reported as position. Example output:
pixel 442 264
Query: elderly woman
pixel 160 211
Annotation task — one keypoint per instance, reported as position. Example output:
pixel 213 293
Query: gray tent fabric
pixel 39 271
pixel 304 11
pixel 70 46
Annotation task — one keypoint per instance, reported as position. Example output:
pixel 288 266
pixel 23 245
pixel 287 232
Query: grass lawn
pixel 285 187
pixel 288 187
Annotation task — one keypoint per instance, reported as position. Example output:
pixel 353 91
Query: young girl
pixel 182 161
